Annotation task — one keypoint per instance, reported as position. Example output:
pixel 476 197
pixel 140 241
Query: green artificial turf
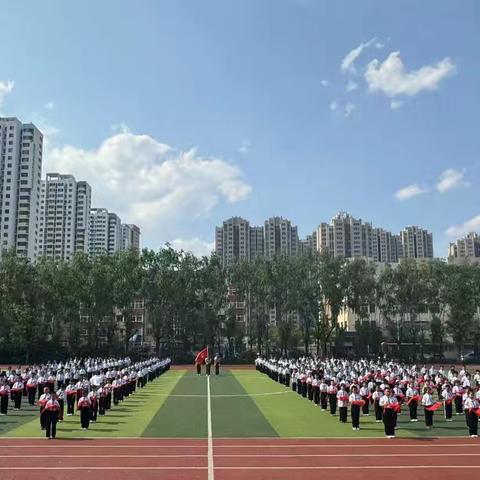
pixel 294 416
pixel 182 415
pixel 244 403
pixel 128 419
pixel 236 415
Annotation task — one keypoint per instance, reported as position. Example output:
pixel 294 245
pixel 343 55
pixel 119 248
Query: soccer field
pixel 243 403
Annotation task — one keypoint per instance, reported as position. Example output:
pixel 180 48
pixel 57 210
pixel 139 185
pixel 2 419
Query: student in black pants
pixel 51 413
pixel 389 404
pixel 355 402
pixel 84 405
pixel 471 405
pixel 428 402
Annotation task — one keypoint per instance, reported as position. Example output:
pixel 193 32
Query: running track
pixel 239 459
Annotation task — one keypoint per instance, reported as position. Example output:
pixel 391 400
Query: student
pixel 376 396
pixel 356 402
pixel 17 390
pixel 342 402
pixel 216 362
pixel 84 405
pixel 390 407
pixel 365 394
pixel 471 406
pixel 61 402
pixel 208 366
pixel 71 392
pixel 428 402
pixel 42 401
pixel 4 394
pixel 323 395
pixel 32 386
pixel 448 398
pixel 458 392
pixel 413 397
pixel 51 413
pixel 332 397
pixel 316 390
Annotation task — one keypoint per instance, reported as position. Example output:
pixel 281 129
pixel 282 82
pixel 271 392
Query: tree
pixel 333 287
pixel 460 297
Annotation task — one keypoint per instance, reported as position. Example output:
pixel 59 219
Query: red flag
pixel 201 356
pixel 434 407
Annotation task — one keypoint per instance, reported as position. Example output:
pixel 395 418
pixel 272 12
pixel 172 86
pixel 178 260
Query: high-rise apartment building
pixel 416 243
pixel 465 250
pixel 232 240
pixel 82 220
pixel 257 242
pixel 105 232
pixel 130 237
pixel 386 247
pixel 63 219
pixel 21 148
pixel 345 237
pixel 281 238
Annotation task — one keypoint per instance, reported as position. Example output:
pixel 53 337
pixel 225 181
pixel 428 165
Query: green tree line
pixel 292 304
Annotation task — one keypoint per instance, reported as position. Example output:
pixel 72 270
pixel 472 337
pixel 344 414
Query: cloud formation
pixel 245 147
pixel 451 178
pixel 392 78
pixel 348 61
pixel 409 192
pixel 6 86
pixel 472 225
pixel 348 109
pixel 195 245
pixel 151 183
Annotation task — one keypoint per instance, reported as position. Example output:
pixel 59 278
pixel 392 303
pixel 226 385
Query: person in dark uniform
pixel 216 362
pixel 471 406
pixel 51 413
pixel 84 405
pixel 199 368
pixel 208 366
pixel 389 403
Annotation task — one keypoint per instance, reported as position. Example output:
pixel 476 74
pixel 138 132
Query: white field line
pixel 211 471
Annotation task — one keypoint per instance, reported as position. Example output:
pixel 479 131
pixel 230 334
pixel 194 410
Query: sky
pixel 181 113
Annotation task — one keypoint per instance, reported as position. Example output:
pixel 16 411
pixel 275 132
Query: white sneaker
pixel 473 436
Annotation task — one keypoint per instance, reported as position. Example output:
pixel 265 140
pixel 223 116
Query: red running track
pixel 239 459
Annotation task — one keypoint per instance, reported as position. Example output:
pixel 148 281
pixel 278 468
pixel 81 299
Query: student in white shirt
pixel 471 404
pixel 355 408
pixel 389 404
pixel 428 401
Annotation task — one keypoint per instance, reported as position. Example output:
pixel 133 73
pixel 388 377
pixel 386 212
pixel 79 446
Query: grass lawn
pixel 244 403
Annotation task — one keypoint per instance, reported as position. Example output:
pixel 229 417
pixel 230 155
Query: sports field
pixel 238 425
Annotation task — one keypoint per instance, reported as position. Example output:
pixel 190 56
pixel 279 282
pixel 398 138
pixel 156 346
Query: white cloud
pixel 472 225
pixel 195 245
pixel 333 106
pixel 392 78
pixel 395 104
pixel 6 86
pixel 349 60
pixel 410 192
pixel 351 86
pixel 49 106
pixel 150 183
pixel 451 178
pixel 379 45
pixel 348 109
pixel 325 83
pixel 245 147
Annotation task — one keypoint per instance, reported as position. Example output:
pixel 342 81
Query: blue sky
pixel 183 113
